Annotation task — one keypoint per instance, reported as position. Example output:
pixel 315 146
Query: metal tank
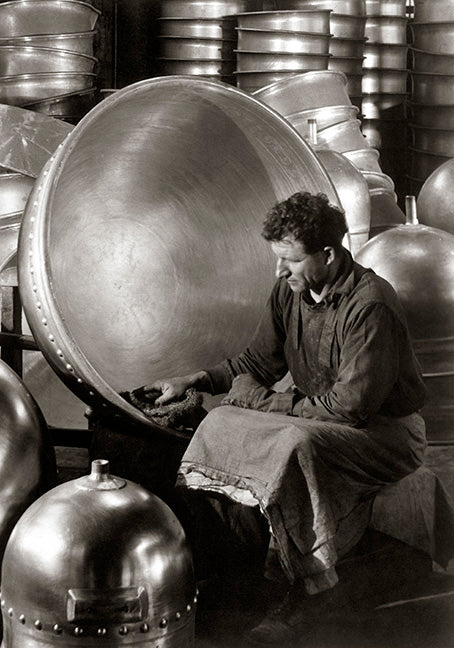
pixel 98 561
pixel 140 253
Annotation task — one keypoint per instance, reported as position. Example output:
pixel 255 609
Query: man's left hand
pixel 248 393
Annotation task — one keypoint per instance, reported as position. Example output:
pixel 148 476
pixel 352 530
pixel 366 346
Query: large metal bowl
pixel 202 9
pixel 427 11
pixel 437 37
pixel 437 140
pixel 196 67
pixel 432 89
pixel 218 28
pixel 21 89
pixel 29 17
pixel 427 115
pixel 260 40
pixel 431 62
pixel 324 117
pixel 384 81
pixel 19 59
pixel 306 91
pixel 14 191
pixel 385 56
pixel 279 61
pixel 346 64
pixel 177 47
pixel 344 136
pixel 81 42
pixel 347 7
pixel 386 7
pixel 345 26
pixel 350 47
pixel 316 21
pixel 391 30
pixel 436 198
pixel 160 244
pixel 366 159
pixel 423 163
pixel 71 106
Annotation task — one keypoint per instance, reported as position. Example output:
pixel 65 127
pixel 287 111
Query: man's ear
pixel 330 254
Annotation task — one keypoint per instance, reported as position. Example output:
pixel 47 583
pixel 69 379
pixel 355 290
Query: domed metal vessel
pixel 98 561
pixel 140 253
pixel 436 197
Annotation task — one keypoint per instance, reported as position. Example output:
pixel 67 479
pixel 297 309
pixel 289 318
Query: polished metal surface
pixel 163 247
pixel 19 59
pixel 27 139
pixel 215 68
pixel 177 47
pixel 81 42
pixel 345 26
pixel 385 56
pixel 427 11
pixel 353 192
pixel 14 191
pixel 436 197
pixel 219 28
pixel 385 214
pixel 386 7
pixel 423 163
pixel 383 106
pixel 261 40
pixel 354 86
pixel 377 180
pixel 391 30
pixel 324 117
pixel 437 140
pixel 384 81
pixel 347 7
pixel 316 21
pixel 366 159
pixel 279 61
pixel 433 37
pixel 346 64
pixel 68 105
pixel 29 17
pixel 432 62
pixel 98 559
pixel 344 136
pixel 350 47
pixel 432 89
pixel 9 234
pixel 21 89
pixel 306 91
pixel 203 9
pixel 252 82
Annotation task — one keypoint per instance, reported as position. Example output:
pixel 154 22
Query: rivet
pixel 35 203
pixel 45 172
pixel 80 381
pixel 57 629
pixel 163 623
pixel 22 618
pixel 188 607
pixel 3 604
pixel 32 270
pixel 38 625
pixel 69 367
pixel 35 288
pixel 51 338
pixel 52 158
pixel 78 631
pixel 30 253
pixel 40 187
pixel 195 599
pixel 38 305
pixel 177 615
pixel 123 630
pixel 10 612
pixel 30 236
pixel 44 321
pixel 101 632
pixel 60 353
pixel 144 627
pixel 90 393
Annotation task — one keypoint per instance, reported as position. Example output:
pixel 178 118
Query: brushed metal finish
pixel 203 9
pixel 432 89
pixel 71 104
pixel 306 91
pixel 347 7
pixel 385 56
pixel 22 89
pixel 385 214
pixel 156 247
pixel 98 558
pixel 260 40
pixel 391 30
pixel 344 136
pixel 436 198
pixel 14 191
pixel 316 21
pixel 378 180
pixel 345 26
pixel 437 140
pixel 215 68
pixel 423 163
pixel 29 17
pixel 81 42
pixel 386 7
pixel 279 61
pixel 218 28
pixel 177 47
pixel 384 81
pixel 324 117
pixel 18 59
pixel 252 82
pixel 366 159
pixel 350 47
pixel 432 62
pixel 346 64
pixel 427 11
pixel 433 37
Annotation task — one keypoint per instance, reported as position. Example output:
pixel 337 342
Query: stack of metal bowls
pixel 431 101
pixel 385 84
pixel 347 25
pixel 274 45
pixel 46 56
pixel 198 37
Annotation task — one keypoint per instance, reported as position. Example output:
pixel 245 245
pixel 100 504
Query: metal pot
pixel 324 117
pixel 21 89
pixel 376 81
pixel 381 133
pixel 81 42
pixel 437 140
pixel 383 106
pixel 17 59
pixel 423 163
pixel 431 62
pixel 366 159
pixel 177 47
pixel 279 61
pixel 196 67
pixel 255 81
pixel 347 7
pixel 14 191
pixel 349 47
pixel 162 284
pixel 306 91
pixel 428 11
pixel 316 21
pixel 72 105
pixel 436 198
pixel 433 37
pixel 346 64
pixel 378 180
pixel 385 56
pixel 218 28
pixel 260 40
pixel 203 9
pixel 344 26
pixel 344 136
pixel 29 17
pixel 386 7
pixel 432 89
pixel 391 30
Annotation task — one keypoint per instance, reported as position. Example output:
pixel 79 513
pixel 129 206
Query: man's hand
pixel 174 388
pixel 249 393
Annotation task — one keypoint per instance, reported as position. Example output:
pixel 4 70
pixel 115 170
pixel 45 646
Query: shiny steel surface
pixel 385 214
pixel 423 163
pixel 437 140
pixel 351 47
pixel 432 89
pixel 279 61
pixel 391 30
pixel 354 85
pixel 203 9
pixel 306 91
pixel 81 42
pixel 386 7
pixel 345 26
pixel 162 240
pixel 98 559
pixel 353 193
pixel 29 17
pixel 378 180
pixel 436 198
pixel 260 40
pixel 384 55
pixel 303 20
pixel 383 81
pixel 366 159
pixel 254 81
pixel 432 62
pixel 383 106
pixel 21 89
pixel 427 11
pixel 324 117
pixel 347 7
pixel 344 136
pixel 72 104
pixel 27 139
pixel 433 37
pixel 346 64
pixel 177 47
pixel 18 59
pixel 14 191
pixel 197 67
pixel 198 28
pixel 9 234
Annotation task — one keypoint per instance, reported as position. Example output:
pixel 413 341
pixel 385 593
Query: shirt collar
pixel 343 283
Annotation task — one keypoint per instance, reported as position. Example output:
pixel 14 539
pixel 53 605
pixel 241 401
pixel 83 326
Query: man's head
pixel 306 233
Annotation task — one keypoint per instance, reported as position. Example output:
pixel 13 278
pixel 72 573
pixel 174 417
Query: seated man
pixel 305 464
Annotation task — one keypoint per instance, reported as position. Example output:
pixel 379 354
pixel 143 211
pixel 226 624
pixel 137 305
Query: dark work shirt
pixel 350 355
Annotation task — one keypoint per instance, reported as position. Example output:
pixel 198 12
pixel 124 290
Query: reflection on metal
pixel 98 559
pixel 152 263
pixel 81 42
pixel 22 89
pixel 28 17
pixel 435 200
pixel 27 140
pixel 23 59
pixel 14 191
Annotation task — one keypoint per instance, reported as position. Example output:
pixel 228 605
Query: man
pixel 308 461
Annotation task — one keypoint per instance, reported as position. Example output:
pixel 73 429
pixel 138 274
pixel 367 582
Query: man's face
pixel 303 271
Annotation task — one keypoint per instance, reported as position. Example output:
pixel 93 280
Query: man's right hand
pixel 174 388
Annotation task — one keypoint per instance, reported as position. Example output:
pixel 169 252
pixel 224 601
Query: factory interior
pixel 141 144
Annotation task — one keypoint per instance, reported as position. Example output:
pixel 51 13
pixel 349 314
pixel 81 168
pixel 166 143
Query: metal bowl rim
pixel 283 31
pixel 416 49
pixel 322 109
pixel 285 12
pixel 53 50
pixel 32 2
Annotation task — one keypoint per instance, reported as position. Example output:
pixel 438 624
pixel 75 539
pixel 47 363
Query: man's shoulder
pixel 371 288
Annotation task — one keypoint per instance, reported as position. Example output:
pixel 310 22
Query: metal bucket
pixel 391 30
pixel 437 38
pixel 279 61
pixel 156 247
pixel 260 40
pixel 218 28
pixel 81 43
pixel 436 198
pixel 376 81
pixel 29 17
pixel 316 21
pixel 345 26
pixel 385 56
pixel 18 59
pixel 73 105
pixel 344 136
pixel 197 67
pixel 347 7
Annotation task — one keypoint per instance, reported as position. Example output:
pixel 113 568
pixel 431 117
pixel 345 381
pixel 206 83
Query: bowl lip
pixel 218 21
pixel 285 12
pixel 293 72
pixel 321 35
pixel 44 75
pixel 384 19
pixel 86 5
pixel 85 34
pixel 435 23
pixel 60 97
pixel 387 72
pixel 430 74
pixel 52 50
pixel 322 109
pixel 199 38
pixel 427 52
pixel 307 75
pixel 378 45
pixel 288 54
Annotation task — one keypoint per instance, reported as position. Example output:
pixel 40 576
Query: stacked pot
pixel 274 45
pixel 46 56
pixel 198 37
pixel 385 84
pixel 431 101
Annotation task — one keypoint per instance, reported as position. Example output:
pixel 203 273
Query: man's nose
pixel 281 268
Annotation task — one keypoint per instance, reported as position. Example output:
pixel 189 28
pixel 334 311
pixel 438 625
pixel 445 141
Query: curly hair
pixel 310 218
